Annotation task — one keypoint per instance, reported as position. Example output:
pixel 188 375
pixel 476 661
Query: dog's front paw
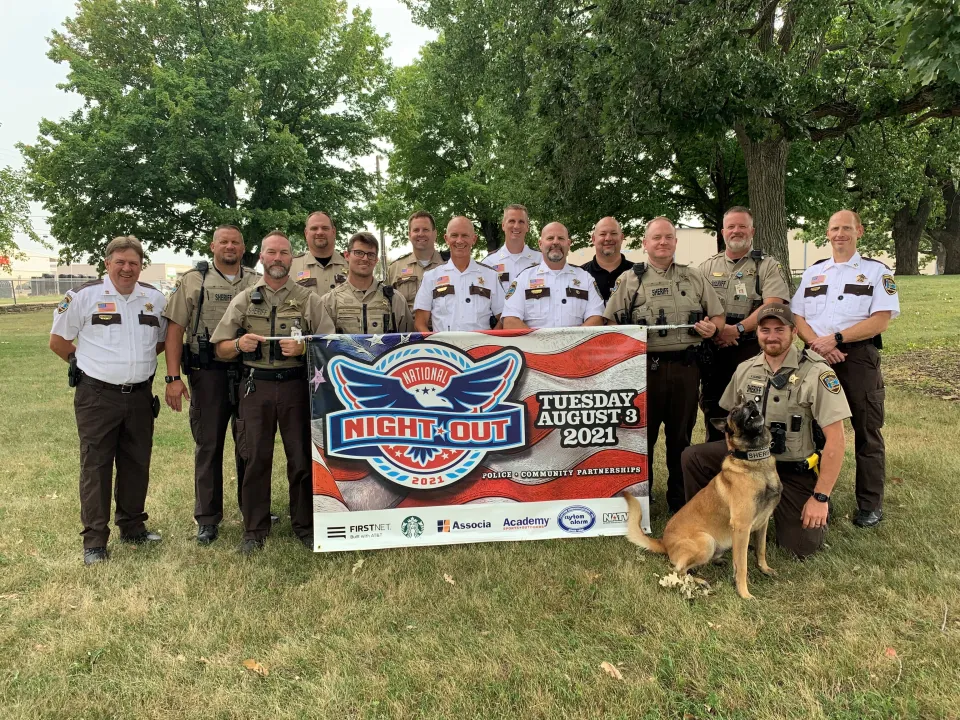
pixel 746 595
pixel 768 571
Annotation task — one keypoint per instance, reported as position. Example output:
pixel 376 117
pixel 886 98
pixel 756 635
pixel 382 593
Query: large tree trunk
pixel 948 235
pixel 490 231
pixel 907 230
pixel 766 179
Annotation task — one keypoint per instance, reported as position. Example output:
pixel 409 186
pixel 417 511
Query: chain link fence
pixel 46 288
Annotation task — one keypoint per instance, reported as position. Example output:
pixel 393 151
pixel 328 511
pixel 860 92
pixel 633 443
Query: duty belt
pixel 296 373
pixel 794 466
pixel 217 365
pixel 126 389
pixel 679 355
pixel 850 345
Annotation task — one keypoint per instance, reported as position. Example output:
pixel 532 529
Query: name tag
pixel 443 291
pixel 481 291
pixel 307 282
pixel 660 291
pixel 106 319
pixel 503 277
pixel 577 293
pixel 858 289
pixel 721 284
pixel 537 293
pixel 815 291
pixel 223 297
pixel 151 320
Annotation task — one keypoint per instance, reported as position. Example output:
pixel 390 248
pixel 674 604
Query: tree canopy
pixel 198 114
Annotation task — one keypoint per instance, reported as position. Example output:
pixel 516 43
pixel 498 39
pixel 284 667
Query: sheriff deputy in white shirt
pixel 553 293
pixel 462 294
pixel 515 255
pixel 842 305
pixel 119 329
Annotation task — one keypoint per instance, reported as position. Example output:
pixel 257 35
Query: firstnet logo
pixel 454 525
pixel 527 523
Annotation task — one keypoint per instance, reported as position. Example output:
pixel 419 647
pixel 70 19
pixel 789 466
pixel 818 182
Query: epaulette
pixel 488 267
pixel 876 261
pixel 252 271
pixel 526 269
pixel 88 284
pixel 299 255
pixel 146 285
pixel 809 354
pixel 817 262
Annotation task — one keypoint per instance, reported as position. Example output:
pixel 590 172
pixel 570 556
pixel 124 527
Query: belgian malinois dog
pixel 736 504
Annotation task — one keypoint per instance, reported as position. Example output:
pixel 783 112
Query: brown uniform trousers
pixel 715 378
pixel 862 382
pixel 211 411
pixel 672 380
pixel 114 428
pixel 273 403
pixel 701 463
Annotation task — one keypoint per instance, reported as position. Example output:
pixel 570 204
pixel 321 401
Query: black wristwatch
pixel 838 337
pixel 170 378
pixel 740 328
pixel 820 497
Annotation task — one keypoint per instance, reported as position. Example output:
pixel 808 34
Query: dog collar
pixel 751 454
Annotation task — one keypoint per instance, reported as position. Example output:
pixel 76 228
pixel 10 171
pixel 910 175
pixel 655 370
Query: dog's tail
pixel 634 533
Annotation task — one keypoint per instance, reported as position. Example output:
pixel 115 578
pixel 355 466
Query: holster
pixel 73 373
pixel 233 382
pixel 186 360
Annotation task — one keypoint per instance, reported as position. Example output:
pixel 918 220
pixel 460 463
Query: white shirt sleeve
pixel 513 306
pixel 885 295
pixel 424 299
pixel 496 302
pixel 68 317
pixel 796 304
pixel 594 299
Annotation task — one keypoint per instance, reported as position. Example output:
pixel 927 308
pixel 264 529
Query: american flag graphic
pixel 595 376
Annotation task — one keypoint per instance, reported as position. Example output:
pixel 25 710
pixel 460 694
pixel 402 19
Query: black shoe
pixel 249 547
pixel 206 534
pixel 92 556
pixel 142 538
pixel 307 543
pixel 868 518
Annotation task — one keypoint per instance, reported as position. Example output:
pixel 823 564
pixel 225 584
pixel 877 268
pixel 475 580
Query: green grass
pixel 162 632
pixel 31 299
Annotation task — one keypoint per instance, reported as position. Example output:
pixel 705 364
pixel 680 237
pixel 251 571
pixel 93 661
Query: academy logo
pixel 425 415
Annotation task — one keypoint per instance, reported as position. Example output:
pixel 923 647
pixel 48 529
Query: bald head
pixel 461 237
pixel 607 239
pixel 843 231
pixel 555 245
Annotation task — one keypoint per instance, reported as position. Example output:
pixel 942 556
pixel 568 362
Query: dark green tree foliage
pixel 206 112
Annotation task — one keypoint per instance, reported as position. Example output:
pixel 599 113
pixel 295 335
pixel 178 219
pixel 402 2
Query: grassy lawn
pixel 867 629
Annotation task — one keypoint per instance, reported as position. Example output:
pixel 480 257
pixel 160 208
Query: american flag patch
pixel 303 274
pixel 443 280
pixel 501 268
pixel 536 282
pixel 405 271
pixel 106 307
pixel 818 279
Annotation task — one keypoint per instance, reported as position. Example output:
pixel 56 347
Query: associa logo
pixel 455 525
pixel 425 415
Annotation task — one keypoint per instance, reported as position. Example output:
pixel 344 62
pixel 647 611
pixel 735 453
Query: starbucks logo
pixel 412 527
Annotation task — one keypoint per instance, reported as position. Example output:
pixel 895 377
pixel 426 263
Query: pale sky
pixel 28 79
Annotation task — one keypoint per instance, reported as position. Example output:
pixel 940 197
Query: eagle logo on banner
pixel 425 416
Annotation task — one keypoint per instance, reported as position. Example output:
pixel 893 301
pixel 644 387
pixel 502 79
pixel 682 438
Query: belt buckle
pixel 126 389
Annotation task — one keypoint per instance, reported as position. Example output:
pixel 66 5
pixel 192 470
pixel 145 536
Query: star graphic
pixel 793 379
pixel 445 454
pixel 398 453
pixel 317 378
pixel 439 432
pixel 376 340
pixel 404 338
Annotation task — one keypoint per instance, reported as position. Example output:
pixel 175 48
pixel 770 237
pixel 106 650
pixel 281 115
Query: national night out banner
pixel 441 438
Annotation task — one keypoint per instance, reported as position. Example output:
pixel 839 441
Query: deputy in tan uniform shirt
pixel 744 280
pixel 194 309
pixel 406 274
pixel 796 390
pixel 321 268
pixel 274 388
pixel 363 305
pixel 665 293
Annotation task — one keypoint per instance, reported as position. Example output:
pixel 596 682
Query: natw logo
pixel 426 415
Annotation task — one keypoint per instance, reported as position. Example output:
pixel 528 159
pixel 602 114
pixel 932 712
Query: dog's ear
pixel 720 424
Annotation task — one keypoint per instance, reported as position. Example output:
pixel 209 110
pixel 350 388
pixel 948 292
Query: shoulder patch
pixel 511 290
pixel 64 304
pixel 829 380
pixel 889 285
pixel 616 284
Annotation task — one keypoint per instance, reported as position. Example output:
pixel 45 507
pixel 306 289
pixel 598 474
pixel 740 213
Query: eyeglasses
pixel 362 254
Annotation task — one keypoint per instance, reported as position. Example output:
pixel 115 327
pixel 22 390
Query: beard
pixel 775 348
pixel 278 271
pixel 738 244
pixel 555 254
